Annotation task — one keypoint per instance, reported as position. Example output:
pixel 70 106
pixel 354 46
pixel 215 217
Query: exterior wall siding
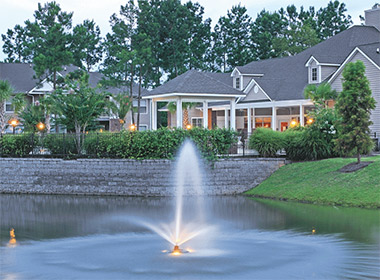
pixel 373 75
pixel 327 71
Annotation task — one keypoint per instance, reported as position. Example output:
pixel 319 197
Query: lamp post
pixel 14 123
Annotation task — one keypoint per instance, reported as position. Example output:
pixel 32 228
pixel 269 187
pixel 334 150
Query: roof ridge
pixel 206 73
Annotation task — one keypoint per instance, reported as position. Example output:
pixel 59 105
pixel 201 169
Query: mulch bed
pixel 352 167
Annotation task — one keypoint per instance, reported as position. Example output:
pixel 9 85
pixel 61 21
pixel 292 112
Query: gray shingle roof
pixel 194 81
pixel 20 75
pixel 285 78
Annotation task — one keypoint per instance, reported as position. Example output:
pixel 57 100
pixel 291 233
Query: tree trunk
pixel 185 121
pixel 358 156
pixel 131 93
pixel 2 117
pixel 138 101
pixel 47 123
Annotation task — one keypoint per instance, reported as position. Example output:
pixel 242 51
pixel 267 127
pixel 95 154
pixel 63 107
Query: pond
pixel 79 237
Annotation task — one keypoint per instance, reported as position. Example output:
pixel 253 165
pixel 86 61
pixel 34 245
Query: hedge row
pixel 162 143
pixel 299 144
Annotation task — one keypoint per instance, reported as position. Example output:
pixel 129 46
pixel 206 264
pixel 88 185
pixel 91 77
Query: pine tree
pixel 86 45
pixel 354 105
pixel 49 40
pixel 15 45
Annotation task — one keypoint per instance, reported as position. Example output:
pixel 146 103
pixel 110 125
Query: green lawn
pixel 320 182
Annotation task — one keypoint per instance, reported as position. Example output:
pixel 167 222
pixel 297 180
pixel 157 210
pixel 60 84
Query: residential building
pixel 22 79
pixel 270 93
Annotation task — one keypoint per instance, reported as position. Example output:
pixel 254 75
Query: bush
pixel 309 143
pixel 162 143
pixel 266 141
pixel 59 144
pixel 18 145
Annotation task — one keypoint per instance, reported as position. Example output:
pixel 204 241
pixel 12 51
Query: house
pixel 21 78
pixel 270 93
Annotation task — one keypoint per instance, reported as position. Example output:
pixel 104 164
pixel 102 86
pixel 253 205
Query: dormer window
pixel 314 74
pixel 237 83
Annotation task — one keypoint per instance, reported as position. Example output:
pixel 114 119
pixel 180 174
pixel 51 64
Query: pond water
pixel 74 237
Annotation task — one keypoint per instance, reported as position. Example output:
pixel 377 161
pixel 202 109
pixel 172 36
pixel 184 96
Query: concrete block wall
pixel 126 177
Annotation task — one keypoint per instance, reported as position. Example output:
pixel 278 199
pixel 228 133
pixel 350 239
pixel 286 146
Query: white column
pixel 179 112
pixel 226 118
pixel 205 114
pixel 154 114
pixel 233 114
pixel 274 118
pixel 253 118
pixel 302 123
pixel 249 120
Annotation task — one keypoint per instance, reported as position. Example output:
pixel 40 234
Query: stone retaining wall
pixel 126 177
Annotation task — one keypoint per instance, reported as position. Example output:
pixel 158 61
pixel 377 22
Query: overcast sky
pixel 17 11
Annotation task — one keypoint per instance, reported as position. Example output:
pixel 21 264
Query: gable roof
pixel 21 77
pixel 194 81
pixel 285 78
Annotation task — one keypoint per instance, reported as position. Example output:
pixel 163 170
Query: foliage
pixel 31 116
pixel 49 40
pixel 266 141
pixel 15 45
pixel 120 105
pixel 320 94
pixel 78 104
pixel 354 105
pixel 60 144
pixel 6 91
pixel 86 44
pixel 320 182
pixel 19 145
pixel 232 40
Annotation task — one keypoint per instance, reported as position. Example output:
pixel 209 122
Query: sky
pixel 17 11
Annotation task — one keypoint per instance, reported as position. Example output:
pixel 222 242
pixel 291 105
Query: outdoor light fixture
pixel 310 121
pixel 293 123
pixel 132 127
pixel 14 123
pixel 188 126
pixel 40 126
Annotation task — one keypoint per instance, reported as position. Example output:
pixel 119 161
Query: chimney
pixel 372 16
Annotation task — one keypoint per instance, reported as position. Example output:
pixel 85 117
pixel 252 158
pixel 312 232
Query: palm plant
pixel 121 106
pixel 6 91
pixel 186 106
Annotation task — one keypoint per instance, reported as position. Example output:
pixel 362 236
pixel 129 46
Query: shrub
pixel 18 145
pixel 266 141
pixel 309 143
pixel 59 144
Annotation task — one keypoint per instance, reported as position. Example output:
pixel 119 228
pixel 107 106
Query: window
pixel 197 122
pixel 8 107
pixel 314 74
pixel 237 83
pixel 143 109
pixel 143 127
pixel 263 122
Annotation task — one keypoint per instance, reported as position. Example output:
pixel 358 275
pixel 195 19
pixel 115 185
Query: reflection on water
pixel 253 236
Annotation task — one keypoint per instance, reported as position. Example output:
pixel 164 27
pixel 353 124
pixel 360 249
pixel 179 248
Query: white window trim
pixel 197 118
pixel 146 106
pixel 5 107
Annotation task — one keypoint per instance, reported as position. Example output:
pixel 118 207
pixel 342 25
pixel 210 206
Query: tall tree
pixel 143 61
pixel 354 105
pixel 232 40
pixel 15 45
pixel 119 66
pixel 86 45
pixel 295 39
pixel 6 91
pixel 49 40
pixel 332 19
pixel 264 29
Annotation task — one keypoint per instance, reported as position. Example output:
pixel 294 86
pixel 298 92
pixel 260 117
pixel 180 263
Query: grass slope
pixel 320 182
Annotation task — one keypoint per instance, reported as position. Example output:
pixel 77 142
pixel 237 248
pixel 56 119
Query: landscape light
pixel 188 126
pixel 310 121
pixel 132 127
pixel 293 123
pixel 40 126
